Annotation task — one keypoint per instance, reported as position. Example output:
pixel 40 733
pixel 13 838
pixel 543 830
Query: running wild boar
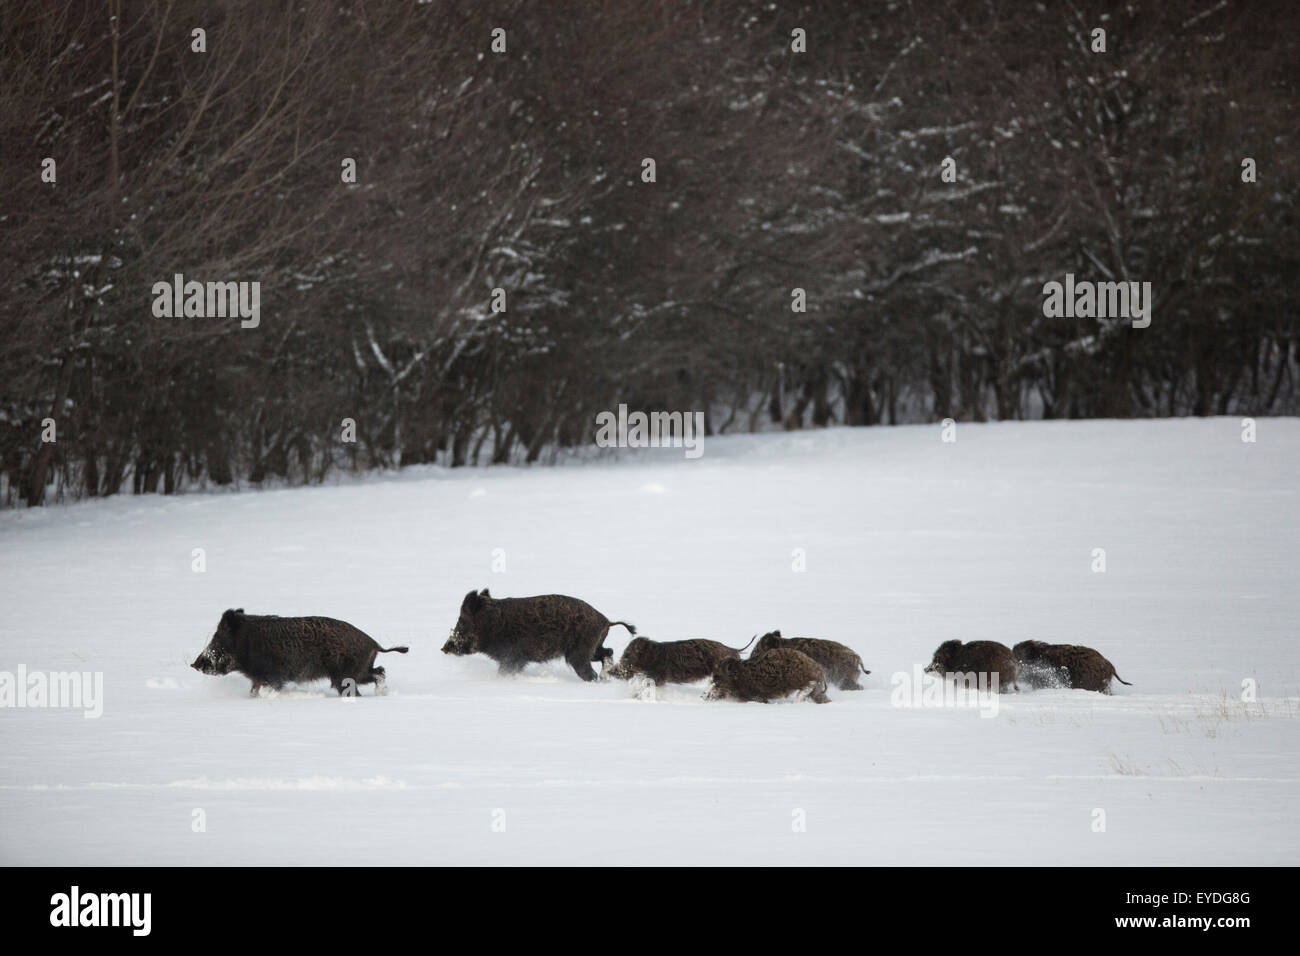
pixel 516 631
pixel 1065 665
pixel 679 662
pixel 768 677
pixel 978 657
pixel 272 651
pixel 841 663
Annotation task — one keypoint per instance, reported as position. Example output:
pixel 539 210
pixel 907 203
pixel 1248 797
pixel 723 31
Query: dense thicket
pixel 522 171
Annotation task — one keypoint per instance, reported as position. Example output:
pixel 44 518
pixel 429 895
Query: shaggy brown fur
pixel 841 663
pixel 771 675
pixel 980 657
pixel 1065 665
pixel 515 631
pixel 274 650
pixel 680 662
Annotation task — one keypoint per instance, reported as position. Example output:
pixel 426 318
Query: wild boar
pixel 516 631
pixel 680 662
pixel 841 663
pixel 769 676
pixel 1066 665
pixel 272 651
pixel 978 657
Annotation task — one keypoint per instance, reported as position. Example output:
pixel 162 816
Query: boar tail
pixel 630 629
pixel 861 668
pixel 741 650
pixel 1120 679
pixel 400 650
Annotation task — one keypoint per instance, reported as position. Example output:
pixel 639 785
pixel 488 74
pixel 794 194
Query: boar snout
pixel 212 662
pixel 457 645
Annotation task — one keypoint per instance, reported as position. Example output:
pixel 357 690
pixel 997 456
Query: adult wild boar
pixel 978 657
pixel 1066 665
pixel 769 676
pixel 517 631
pixel 679 662
pixel 841 663
pixel 272 651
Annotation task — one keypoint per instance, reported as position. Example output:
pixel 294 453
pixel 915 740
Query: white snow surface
pixel 909 541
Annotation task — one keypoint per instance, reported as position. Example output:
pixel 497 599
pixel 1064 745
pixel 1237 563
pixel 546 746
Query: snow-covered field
pixel 908 542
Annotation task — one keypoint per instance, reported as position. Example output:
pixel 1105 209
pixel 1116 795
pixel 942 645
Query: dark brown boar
pixel 516 631
pixel 979 657
pixel 273 651
pixel 1065 665
pixel 841 663
pixel 769 676
pixel 679 662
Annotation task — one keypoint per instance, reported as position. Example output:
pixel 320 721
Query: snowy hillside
pixel 908 542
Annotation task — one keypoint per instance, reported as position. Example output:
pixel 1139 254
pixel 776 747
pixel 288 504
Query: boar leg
pixel 606 657
pixel 599 654
pixel 581 666
pixel 816 690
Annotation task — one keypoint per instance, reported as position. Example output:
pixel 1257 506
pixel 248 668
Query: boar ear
pixel 232 618
pixel 472 602
pixel 484 593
